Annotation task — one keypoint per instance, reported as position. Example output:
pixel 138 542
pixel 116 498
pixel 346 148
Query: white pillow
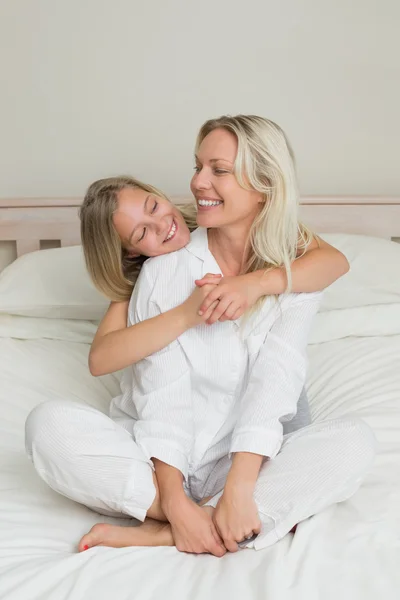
pixel 374 276
pixel 51 283
pixel 361 321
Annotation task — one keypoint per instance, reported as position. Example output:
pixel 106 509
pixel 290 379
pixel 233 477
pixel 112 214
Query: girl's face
pixel 221 201
pixel 149 225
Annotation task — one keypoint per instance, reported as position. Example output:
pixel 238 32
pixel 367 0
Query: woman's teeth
pixel 209 202
pixel 171 231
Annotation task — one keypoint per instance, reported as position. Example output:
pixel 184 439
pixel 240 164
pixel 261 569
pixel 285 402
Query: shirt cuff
pixel 167 454
pixel 265 443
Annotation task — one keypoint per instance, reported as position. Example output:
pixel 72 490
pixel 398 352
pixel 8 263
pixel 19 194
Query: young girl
pixel 200 422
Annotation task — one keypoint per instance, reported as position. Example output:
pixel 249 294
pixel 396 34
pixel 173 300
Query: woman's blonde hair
pixel 265 163
pixel 112 270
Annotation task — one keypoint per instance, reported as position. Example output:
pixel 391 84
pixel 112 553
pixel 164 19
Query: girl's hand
pixel 236 517
pixel 193 529
pixel 233 294
pixel 190 308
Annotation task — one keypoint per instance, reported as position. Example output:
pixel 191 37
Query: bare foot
pixel 151 533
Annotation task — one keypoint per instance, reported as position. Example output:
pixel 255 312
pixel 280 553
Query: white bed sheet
pixel 351 550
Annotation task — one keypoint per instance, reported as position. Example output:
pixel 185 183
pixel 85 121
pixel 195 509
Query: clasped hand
pixel 199 530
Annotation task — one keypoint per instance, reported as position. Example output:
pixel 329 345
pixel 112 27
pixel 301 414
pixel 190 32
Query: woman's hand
pixel 193 529
pixel 191 306
pixel 236 517
pixel 233 294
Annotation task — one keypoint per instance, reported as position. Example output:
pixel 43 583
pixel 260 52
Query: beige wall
pixel 92 88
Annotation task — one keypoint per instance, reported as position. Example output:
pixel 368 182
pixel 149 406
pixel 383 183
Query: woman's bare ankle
pixel 155 511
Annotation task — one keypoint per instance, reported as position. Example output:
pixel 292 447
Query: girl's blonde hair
pixel 265 163
pixel 113 272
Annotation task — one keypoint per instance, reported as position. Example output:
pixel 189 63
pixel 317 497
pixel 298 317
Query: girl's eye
pixel 154 207
pixel 197 169
pixel 143 234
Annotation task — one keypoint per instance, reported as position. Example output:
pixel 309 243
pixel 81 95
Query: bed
pixel 48 316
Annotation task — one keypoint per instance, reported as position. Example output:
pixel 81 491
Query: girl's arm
pixel 319 267
pixel 116 346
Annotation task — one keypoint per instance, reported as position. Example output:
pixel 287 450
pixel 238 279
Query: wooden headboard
pixel 28 221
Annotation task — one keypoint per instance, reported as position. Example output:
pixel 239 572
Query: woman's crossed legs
pixel 84 455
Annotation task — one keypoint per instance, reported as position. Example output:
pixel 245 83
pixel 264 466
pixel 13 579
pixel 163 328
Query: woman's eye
pixel 143 234
pixel 154 207
pixel 216 171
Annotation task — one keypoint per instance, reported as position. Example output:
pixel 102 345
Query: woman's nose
pixel 202 181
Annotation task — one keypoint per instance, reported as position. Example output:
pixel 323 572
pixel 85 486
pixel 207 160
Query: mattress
pixel 351 550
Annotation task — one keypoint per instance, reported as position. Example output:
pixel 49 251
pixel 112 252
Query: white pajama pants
pixel 87 457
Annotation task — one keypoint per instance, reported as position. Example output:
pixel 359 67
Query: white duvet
pixel 350 551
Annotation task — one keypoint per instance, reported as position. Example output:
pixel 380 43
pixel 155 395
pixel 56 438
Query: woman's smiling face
pixel 221 201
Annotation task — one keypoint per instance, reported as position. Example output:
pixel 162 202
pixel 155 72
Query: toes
pixel 95 537
pixel 84 543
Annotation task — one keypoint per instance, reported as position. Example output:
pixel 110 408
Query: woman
pixel 216 391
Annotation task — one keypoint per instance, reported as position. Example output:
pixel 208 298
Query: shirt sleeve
pixel 276 379
pixel 161 391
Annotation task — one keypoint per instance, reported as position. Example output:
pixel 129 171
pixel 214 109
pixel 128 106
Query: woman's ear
pixel 262 198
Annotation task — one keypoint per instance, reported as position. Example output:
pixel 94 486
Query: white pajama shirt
pixel 217 389
pixel 230 387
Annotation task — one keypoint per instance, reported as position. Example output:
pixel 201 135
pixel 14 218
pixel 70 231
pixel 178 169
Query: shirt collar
pixel 198 246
